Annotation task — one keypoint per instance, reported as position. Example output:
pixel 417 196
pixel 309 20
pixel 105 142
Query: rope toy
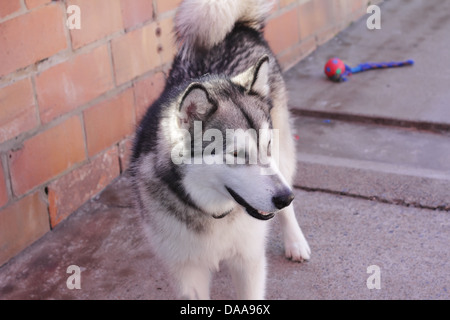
pixel 337 71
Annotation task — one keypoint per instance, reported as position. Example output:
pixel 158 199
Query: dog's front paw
pixel 296 247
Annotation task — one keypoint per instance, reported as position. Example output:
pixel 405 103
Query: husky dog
pixel 203 200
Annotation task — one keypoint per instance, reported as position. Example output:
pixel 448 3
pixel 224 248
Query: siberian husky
pixel 214 156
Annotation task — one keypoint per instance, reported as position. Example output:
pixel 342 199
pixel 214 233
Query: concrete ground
pixel 373 185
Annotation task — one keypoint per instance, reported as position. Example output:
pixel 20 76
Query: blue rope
pixel 372 66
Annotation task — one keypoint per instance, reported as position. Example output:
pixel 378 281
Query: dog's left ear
pixel 256 78
pixel 195 105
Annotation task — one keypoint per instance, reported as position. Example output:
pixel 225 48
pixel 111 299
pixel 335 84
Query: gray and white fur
pixel 200 213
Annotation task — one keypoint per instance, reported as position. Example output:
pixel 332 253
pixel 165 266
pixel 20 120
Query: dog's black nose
pixel 283 200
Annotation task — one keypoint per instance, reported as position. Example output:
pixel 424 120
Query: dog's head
pixel 225 141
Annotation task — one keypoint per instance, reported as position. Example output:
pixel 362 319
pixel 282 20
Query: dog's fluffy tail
pixel 204 23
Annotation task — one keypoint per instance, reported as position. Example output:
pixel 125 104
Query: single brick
pixel 109 122
pixel 71 84
pixel 35 3
pixel 46 155
pixel 282 32
pixel 146 91
pixel 135 53
pixel 69 192
pixel 18 112
pixel 31 37
pixel 136 12
pixel 9 7
pixel 167 5
pixel 99 18
pixel 3 191
pixel 22 223
pixel 167 48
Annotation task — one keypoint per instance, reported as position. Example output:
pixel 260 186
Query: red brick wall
pixel 70 99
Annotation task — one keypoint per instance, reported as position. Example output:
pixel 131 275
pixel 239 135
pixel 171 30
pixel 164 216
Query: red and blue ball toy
pixel 337 71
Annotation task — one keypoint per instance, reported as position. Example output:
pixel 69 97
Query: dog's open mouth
pixel 258 214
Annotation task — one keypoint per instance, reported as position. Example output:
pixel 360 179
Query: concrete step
pixel 393 165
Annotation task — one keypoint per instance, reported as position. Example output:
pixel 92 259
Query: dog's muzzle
pixel 280 202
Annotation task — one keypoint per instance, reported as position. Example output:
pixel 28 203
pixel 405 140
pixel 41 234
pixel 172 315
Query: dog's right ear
pixel 195 105
pixel 256 78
